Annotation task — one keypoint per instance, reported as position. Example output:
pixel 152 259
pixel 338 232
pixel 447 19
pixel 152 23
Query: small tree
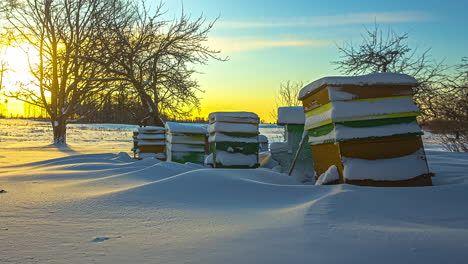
pixel 287 95
pixel 389 51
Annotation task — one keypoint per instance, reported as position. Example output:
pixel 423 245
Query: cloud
pixel 345 19
pixel 240 44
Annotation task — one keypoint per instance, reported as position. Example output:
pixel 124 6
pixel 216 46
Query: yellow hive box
pixel 365 126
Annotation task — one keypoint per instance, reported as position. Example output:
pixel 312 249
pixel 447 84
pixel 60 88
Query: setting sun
pixel 17 60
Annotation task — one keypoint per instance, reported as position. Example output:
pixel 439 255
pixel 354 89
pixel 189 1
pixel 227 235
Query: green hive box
pixel 234 139
pixel 185 143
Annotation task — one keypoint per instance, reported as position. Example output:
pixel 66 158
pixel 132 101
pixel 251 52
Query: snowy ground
pixel 91 203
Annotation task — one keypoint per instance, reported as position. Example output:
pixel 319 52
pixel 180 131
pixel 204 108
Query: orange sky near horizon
pixel 219 96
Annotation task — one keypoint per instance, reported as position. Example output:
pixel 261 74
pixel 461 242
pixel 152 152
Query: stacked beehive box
pixel 185 143
pixel 366 126
pixel 293 118
pixel 234 139
pixel 152 140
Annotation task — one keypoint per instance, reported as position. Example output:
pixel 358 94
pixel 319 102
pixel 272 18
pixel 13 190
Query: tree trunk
pixel 59 126
pixel 153 119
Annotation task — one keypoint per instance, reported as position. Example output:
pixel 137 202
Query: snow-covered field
pixel 91 203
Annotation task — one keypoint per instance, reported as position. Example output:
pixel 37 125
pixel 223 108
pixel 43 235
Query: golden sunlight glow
pixel 17 60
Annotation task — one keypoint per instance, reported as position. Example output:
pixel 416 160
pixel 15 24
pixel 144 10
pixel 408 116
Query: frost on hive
pixel 384 78
pixel 291 115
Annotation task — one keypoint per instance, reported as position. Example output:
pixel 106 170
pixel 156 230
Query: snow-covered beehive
pixel 185 143
pixel 293 118
pixel 366 126
pixel 152 140
pixel 234 139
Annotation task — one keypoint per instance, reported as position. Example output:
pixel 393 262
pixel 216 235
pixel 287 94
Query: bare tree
pixel 60 31
pixel 287 95
pixel 451 105
pixel 388 51
pixel 440 96
pixel 156 56
pixel 5 41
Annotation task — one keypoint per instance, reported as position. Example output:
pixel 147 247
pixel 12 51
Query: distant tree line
pixel 125 108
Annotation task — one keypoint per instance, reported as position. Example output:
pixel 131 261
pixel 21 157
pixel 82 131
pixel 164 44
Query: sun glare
pixel 17 60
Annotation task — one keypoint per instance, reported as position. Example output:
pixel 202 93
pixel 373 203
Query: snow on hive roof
pixel 381 78
pixel 291 115
pixel 173 127
pixel 240 117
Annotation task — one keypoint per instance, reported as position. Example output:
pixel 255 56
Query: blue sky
pixel 269 42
